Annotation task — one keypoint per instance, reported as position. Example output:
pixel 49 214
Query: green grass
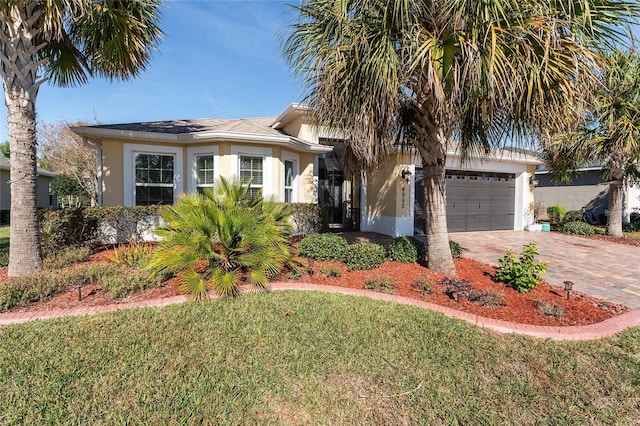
pixel 4 245
pixel 306 358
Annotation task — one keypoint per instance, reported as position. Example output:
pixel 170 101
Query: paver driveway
pixel 598 268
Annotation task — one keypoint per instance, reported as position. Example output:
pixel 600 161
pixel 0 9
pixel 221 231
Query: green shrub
pixel 4 217
pixel 310 218
pixel 423 284
pixel 295 273
pixel 323 246
pixel 456 289
pixel 65 257
pixel 363 256
pixel 556 213
pixel 406 249
pixel 22 291
pixel 578 228
pixel 486 298
pixel 573 216
pixel 4 258
pixel 133 255
pixel 456 250
pixel 93 273
pixel 123 284
pixel 330 273
pixel 524 274
pixel 382 285
pixel 631 227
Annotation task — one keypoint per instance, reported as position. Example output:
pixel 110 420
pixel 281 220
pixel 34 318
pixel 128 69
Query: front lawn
pixel 4 245
pixel 304 357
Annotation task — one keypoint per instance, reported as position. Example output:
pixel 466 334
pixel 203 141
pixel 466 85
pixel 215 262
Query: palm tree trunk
pixel 614 220
pixel 435 211
pixel 19 74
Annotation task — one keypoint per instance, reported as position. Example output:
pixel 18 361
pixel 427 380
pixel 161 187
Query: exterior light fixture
pixel 79 282
pixel 311 265
pixel 406 174
pixel 533 181
pixel 568 286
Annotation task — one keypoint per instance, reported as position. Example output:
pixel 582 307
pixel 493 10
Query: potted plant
pixel 532 214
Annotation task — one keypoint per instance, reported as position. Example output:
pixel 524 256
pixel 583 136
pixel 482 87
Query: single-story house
pixel 587 190
pixel 292 161
pixel 45 199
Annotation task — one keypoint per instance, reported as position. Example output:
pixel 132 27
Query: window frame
pixel 295 159
pixel 238 151
pixel 129 173
pixel 193 153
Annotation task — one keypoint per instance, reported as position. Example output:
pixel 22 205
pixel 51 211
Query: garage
pixel 476 201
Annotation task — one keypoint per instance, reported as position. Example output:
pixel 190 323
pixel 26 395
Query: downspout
pixel 98 149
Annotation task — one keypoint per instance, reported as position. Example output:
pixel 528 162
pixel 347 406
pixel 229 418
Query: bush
pixel 578 228
pixel 456 250
pixel 423 284
pixel 363 256
pixel 310 218
pixel 66 257
pixel 556 213
pixel 456 289
pixel 573 216
pixel 330 273
pixel 524 274
pixel 4 258
pixel 134 255
pixel 486 298
pixel 323 246
pixel 631 227
pixel 22 291
pixel 382 285
pixel 550 309
pixel 406 249
pixel 123 284
pixel 4 217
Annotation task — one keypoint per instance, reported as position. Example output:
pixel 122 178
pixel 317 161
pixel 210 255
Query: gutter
pixel 95 146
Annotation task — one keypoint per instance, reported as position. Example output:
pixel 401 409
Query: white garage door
pixel 476 201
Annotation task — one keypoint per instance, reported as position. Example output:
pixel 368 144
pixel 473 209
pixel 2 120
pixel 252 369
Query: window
pixel 205 172
pixel 252 167
pixel 154 179
pixel 288 181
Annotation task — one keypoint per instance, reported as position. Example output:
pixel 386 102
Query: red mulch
pixel 522 308
pixel 630 241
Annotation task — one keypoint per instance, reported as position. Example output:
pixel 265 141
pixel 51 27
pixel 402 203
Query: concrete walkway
pixel 599 268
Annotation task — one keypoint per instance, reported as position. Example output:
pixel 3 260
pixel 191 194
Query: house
pixel 586 191
pixel 44 199
pixel 292 161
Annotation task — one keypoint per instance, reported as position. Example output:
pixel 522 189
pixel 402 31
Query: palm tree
pixel 449 74
pixel 609 134
pixel 215 240
pixel 64 42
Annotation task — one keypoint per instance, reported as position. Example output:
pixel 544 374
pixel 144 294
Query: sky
pixel 217 59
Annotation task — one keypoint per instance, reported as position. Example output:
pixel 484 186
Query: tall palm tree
pixel 64 42
pixel 448 74
pixel 609 135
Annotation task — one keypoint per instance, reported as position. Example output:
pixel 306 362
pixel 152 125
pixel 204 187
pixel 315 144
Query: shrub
pixel 310 218
pixel 406 249
pixel 550 309
pixel 524 274
pixel 22 291
pixel 363 256
pixel 556 213
pixel 573 216
pixel 65 257
pixel 216 240
pixel 456 250
pixel 4 258
pixel 133 255
pixel 323 246
pixel 578 228
pixel 631 227
pixel 123 284
pixel 382 285
pixel 4 217
pixel 330 272
pixel 455 288
pixel 423 284
pixel 486 298
pixel 295 273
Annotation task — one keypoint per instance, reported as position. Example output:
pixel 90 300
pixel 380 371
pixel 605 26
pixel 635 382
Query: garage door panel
pixel 475 201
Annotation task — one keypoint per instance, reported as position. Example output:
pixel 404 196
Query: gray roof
pixel 5 164
pixel 260 125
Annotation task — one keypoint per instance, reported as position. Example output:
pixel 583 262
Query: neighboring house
pixel 45 199
pixel 290 160
pixel 587 190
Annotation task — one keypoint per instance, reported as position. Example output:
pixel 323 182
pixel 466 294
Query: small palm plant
pixel 217 240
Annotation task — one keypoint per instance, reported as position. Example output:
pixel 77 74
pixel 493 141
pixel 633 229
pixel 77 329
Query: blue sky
pixel 217 59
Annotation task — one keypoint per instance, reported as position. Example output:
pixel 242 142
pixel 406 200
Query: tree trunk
pixel 435 211
pixel 614 220
pixel 19 73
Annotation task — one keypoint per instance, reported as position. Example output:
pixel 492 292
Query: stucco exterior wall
pixel 112 173
pixel 586 191
pixel 5 192
pixel 42 191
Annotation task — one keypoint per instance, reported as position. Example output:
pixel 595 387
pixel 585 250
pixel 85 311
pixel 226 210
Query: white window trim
pixel 295 158
pixel 192 153
pixel 130 150
pixel 267 154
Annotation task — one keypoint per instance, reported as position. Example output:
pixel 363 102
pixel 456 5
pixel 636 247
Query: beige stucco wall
pixel 42 191
pixel 386 190
pixel 113 184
